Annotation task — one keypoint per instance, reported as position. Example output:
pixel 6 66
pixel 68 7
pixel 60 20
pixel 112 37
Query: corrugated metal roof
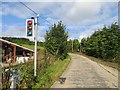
pixel 15 44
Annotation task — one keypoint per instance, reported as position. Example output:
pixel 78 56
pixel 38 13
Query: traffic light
pixel 30 27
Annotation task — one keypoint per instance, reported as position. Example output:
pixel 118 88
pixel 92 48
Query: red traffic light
pixel 29 22
pixel 30 27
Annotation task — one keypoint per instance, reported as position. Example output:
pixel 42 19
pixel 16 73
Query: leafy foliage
pixel 22 41
pixel 26 75
pixel 103 43
pixel 51 73
pixel 56 40
pixel 76 45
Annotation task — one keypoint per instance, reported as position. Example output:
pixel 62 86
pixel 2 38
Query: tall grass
pixel 51 73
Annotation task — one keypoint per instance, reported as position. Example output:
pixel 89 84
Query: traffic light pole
pixel 35 51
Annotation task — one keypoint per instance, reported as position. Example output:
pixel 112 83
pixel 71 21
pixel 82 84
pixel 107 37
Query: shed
pixel 10 51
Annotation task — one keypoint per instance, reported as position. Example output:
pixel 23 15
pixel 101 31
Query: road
pixel 85 73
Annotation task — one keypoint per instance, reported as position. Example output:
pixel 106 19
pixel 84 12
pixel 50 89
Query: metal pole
pixel 72 45
pixel 35 51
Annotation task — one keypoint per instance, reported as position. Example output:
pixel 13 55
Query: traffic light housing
pixel 30 27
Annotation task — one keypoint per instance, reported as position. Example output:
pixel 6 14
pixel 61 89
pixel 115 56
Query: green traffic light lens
pixel 29 33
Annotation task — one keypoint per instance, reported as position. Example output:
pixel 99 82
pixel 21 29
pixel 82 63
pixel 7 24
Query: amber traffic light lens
pixel 29 27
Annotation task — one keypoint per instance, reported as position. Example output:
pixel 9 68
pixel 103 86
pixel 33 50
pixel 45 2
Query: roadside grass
pixel 101 61
pixel 51 73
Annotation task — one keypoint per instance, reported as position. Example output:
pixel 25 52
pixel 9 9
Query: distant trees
pixel 76 45
pixel 21 41
pixel 17 40
pixel 56 41
pixel 69 45
pixel 103 43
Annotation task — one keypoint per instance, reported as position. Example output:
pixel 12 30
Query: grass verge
pixel 103 62
pixel 52 73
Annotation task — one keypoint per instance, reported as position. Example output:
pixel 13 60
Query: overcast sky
pixel 81 18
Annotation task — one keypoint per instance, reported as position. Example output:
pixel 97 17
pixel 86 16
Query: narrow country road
pixel 84 73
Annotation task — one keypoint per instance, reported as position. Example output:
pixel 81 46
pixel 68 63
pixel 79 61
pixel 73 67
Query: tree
pixel 56 41
pixel 76 45
pixel 103 43
pixel 69 45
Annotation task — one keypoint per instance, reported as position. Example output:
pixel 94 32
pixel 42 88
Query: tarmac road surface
pixel 85 73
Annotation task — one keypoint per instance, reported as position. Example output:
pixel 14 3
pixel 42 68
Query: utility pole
pixel 35 49
pixel 72 45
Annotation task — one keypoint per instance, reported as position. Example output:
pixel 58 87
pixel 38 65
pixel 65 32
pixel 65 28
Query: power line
pixel 33 11
pixel 45 20
pixel 27 7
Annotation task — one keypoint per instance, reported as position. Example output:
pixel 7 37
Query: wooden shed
pixel 10 51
